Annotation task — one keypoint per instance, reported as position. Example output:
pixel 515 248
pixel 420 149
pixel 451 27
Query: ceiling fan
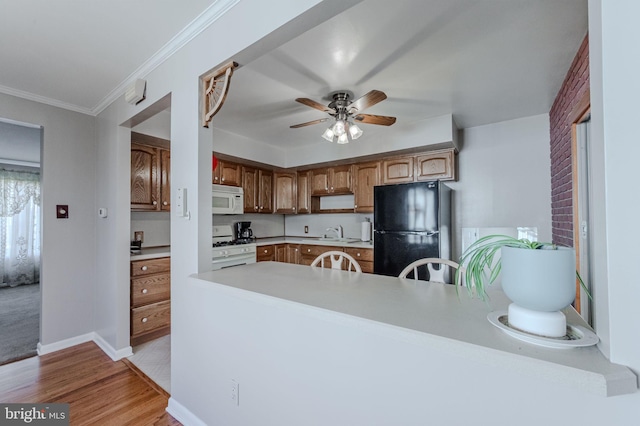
pixel 347 114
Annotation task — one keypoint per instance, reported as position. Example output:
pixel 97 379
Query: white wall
pixel 68 245
pixel 613 33
pixel 504 178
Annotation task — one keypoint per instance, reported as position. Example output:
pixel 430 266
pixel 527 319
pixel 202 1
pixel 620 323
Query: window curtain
pixel 19 227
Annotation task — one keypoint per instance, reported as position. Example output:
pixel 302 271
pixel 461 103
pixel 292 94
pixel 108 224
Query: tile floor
pixel 154 359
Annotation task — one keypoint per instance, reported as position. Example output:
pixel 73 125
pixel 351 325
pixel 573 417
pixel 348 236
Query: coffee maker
pixel 243 231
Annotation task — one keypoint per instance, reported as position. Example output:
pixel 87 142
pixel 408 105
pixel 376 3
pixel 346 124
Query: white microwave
pixel 227 199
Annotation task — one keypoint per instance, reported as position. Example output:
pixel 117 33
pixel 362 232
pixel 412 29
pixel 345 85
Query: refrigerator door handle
pixel 431 234
pixel 424 233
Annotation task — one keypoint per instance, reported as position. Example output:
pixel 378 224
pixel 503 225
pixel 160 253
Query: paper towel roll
pixel 366 231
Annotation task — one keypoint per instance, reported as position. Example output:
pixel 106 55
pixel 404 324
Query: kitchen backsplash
pixel 264 226
pixel 155 225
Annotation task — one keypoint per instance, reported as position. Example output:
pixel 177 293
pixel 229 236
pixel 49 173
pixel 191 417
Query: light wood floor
pixel 98 390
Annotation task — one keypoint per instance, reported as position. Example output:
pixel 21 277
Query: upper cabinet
pixel 331 180
pixel 258 189
pixel 285 193
pixel 437 165
pixel 228 173
pixel 397 170
pixel 303 189
pixel 150 174
pixel 366 176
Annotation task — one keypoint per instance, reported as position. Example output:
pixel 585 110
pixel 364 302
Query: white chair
pixel 435 275
pixel 337 258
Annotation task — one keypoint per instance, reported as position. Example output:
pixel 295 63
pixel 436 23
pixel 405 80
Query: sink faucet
pixel 338 230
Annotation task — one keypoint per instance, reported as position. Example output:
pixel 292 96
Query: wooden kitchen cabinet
pixel 331 180
pixel 303 192
pixel 280 252
pixel 266 253
pixel 150 173
pixel 397 170
pixel 309 252
pixel 285 193
pixel 258 186
pixel 227 173
pixel 366 176
pixel 436 165
pixel 150 299
pixel 364 256
pixel 293 253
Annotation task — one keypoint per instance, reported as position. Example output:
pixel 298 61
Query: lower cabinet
pixel 305 254
pixel 150 299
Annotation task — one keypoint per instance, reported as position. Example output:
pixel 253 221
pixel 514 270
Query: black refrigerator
pixel 411 221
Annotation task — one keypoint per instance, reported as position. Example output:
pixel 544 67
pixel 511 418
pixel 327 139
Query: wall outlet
pixel 235 392
pixel 138 236
pixel 306 229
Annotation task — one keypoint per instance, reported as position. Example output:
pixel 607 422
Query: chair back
pixel 435 275
pixel 337 258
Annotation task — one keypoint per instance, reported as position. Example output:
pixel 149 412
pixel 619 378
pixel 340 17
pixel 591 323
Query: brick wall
pixel 575 84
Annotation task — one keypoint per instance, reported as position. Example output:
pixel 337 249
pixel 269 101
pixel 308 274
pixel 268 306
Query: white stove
pixel 228 251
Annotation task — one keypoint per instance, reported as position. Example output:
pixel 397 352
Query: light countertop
pixel 152 253
pixel 424 313
pixel 351 242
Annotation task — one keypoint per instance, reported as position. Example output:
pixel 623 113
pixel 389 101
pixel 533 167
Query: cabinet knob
pixel 144 268
pixel 145 291
pixel 293 208
pixel 155 203
pixel 215 178
pixel 356 206
pixel 144 319
pixel 256 207
pixel 358 254
pixel 165 203
pixel 309 250
pixel 222 179
pixel 266 250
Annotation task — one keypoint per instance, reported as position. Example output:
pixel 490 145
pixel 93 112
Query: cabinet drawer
pixel 150 266
pixel 313 250
pixel 266 253
pixel 149 317
pixel 150 289
pixel 360 254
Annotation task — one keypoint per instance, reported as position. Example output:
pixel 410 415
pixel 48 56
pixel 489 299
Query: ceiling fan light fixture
pixel 355 131
pixel 328 134
pixel 343 138
pixel 339 128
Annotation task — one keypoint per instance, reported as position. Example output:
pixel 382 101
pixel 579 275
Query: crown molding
pixel 204 20
pixel 44 100
pixel 199 24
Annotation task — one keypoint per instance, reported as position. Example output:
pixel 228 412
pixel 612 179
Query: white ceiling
pixel 482 61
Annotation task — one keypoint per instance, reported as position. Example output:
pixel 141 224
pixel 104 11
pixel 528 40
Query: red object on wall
pixel 215 162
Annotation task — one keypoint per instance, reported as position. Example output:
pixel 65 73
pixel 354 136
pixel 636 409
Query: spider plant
pixel 482 266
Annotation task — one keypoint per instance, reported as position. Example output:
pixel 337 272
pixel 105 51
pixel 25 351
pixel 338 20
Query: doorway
pixel 20 237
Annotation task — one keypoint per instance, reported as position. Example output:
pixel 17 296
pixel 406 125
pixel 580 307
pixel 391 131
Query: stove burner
pixel 234 243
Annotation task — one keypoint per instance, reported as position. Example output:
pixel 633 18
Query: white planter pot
pixel 540 283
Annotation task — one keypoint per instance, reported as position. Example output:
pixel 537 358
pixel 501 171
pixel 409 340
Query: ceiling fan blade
pixel 308 123
pixel 368 100
pixel 375 119
pixel 313 104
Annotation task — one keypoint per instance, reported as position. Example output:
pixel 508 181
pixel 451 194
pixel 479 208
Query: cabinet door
pixel 293 253
pixel 319 181
pixel 340 180
pixel 303 192
pixel 438 165
pixel 281 252
pixel 250 185
pixel 266 253
pixel 145 191
pixel 165 180
pixel 228 173
pixel 284 192
pixel 265 196
pixel 363 256
pixel 397 170
pixel 367 175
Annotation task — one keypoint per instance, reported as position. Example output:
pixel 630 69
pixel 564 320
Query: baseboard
pixel 64 344
pixel 183 415
pixel 109 350
pixel 89 337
